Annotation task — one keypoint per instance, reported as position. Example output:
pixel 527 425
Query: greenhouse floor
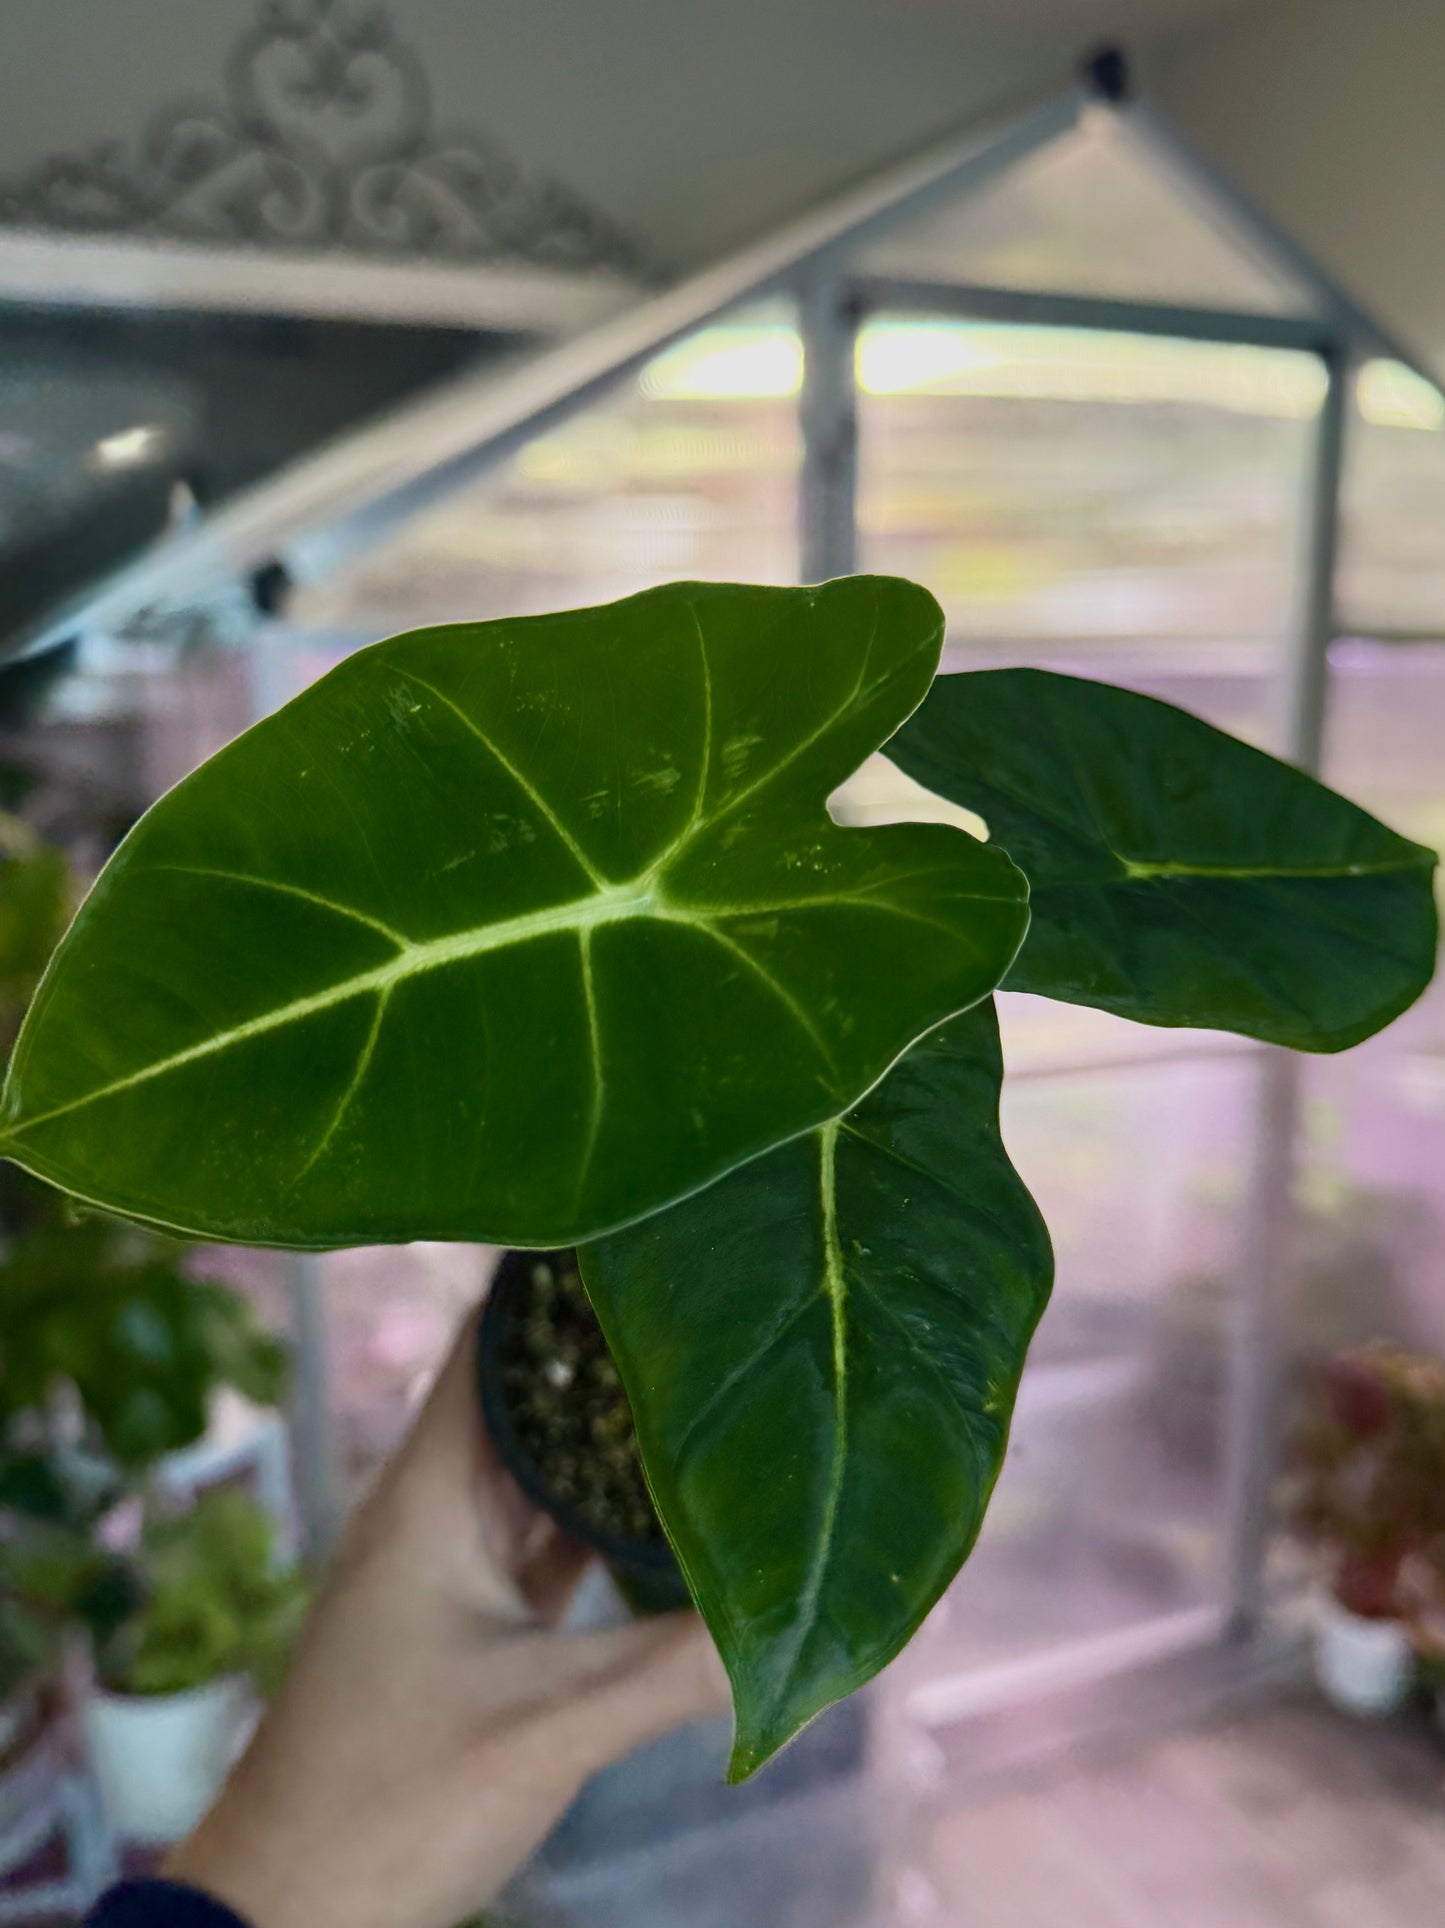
pixel 1285 1816
pixel 1281 1816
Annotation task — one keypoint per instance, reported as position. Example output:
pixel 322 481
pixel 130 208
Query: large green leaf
pixel 513 931
pixel 822 1353
pixel 1177 875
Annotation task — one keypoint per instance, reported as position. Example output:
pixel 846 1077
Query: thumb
pixel 640 1681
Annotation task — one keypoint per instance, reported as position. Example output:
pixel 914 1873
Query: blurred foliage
pixel 54 1571
pixel 111 1312
pixel 36 900
pixel 26 1641
pixel 216 1599
pixel 1368 1486
pixel 109 1356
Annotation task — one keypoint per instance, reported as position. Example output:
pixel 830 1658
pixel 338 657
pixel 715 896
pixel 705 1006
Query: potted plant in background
pixel 216 1608
pixel 1422 1595
pixel 52 1575
pixel 111 1353
pixel 1369 1497
pixel 27 1657
pixel 539 934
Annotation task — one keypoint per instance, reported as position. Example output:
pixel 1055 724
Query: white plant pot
pixel 1363 1666
pixel 160 1759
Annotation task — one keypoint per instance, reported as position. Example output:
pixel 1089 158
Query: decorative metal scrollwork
pixel 322 136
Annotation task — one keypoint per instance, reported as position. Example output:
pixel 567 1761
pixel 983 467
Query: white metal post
pixel 828 418
pixel 1259 1340
pixel 312 1442
pixel 1301 726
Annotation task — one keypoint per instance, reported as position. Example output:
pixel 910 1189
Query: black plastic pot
pixel 646 1571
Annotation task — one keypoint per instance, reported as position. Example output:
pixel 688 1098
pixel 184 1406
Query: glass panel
pixel 1083 497
pixel 1124 508
pixel 1392 563
pixel 1115 506
pixel 1106 1516
pixel 688 470
pixel 1374 1181
pixel 1092 214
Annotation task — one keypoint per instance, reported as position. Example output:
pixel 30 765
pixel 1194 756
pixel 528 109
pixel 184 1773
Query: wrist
pixel 235 1864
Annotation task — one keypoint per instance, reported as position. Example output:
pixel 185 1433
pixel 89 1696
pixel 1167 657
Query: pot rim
pixel 117 1697
pixel 509 1282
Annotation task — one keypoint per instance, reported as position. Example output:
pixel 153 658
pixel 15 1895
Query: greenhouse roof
pixel 1082 210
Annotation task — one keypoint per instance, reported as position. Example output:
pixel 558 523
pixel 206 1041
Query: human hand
pixel 434 1725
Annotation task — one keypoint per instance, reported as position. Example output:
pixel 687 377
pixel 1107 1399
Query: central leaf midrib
pixel 834 1288
pixel 412 960
pixel 1282 872
pixel 617 903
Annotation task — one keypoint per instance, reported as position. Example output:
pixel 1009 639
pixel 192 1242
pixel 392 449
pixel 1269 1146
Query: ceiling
pixel 1137 18
pixel 1326 113
pixel 701 127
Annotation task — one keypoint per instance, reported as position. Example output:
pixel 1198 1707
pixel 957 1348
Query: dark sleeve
pixel 159 1904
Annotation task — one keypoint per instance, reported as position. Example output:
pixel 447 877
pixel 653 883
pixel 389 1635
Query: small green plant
pixel 212 1599
pixel 540 933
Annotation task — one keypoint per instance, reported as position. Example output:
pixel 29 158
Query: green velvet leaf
pixel 822 1353
pixel 1179 876
pixel 513 931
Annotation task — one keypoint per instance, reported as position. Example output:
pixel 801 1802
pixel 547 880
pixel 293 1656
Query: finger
pixel 449 1456
pixel 467 1526
pixel 642 1681
pixel 549 1573
pixel 447 1430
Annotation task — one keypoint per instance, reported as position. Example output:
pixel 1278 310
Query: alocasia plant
pixel 540 933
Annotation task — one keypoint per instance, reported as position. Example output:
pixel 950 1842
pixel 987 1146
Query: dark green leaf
pixel 822 1353
pixel 1177 875
pixel 513 931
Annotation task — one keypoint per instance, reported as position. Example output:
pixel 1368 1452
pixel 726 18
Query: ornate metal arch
pixel 321 136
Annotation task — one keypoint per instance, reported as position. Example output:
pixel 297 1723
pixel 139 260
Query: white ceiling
pixel 702 124
pixel 1327 113
pixel 1137 18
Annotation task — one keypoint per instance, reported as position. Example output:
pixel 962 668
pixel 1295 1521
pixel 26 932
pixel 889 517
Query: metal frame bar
pixel 828 422
pixel 119 274
pixel 1021 308
pixel 1277 248
pixel 313 1441
pixel 1259 1340
pixel 337 503
pixel 1301 725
